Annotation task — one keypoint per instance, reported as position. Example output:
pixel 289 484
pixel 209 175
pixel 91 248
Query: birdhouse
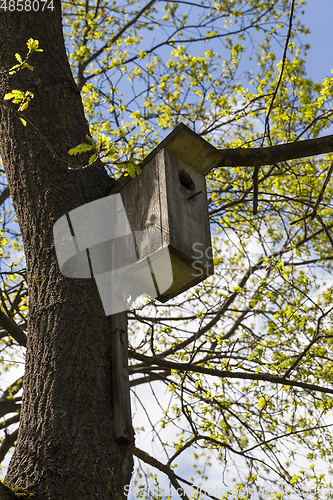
pixel 167 204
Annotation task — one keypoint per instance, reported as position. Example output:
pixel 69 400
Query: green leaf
pixel 13 72
pixel 90 139
pixel 93 158
pixel 133 169
pixel 18 57
pixel 26 65
pixel 16 95
pixel 81 148
pixel 33 45
pixel 24 106
pixel 261 402
pixel 23 121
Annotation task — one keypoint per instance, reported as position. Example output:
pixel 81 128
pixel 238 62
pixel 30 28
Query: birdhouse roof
pixel 186 145
pixel 189 147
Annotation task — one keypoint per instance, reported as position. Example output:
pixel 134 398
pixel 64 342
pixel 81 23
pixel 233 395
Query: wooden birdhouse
pixel 167 204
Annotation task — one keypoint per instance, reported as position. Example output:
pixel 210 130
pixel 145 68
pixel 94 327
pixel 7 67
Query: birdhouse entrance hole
pixel 186 180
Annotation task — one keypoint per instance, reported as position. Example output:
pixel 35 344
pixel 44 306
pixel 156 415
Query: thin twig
pixel 20 66
pixel 266 131
pixel 316 337
pixel 325 228
pixel 284 57
pixel 322 191
pixel 82 66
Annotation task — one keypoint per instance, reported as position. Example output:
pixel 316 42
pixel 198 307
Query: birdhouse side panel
pixel 188 212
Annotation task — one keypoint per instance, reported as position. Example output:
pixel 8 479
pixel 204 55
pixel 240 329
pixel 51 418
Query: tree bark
pixel 65 448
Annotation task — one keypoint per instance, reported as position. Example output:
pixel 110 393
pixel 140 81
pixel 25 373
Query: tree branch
pixel 150 378
pixel 13 329
pixel 232 297
pixel 174 478
pixel 265 377
pixel 322 191
pixel 10 421
pixel 255 189
pixel 316 337
pixel 267 131
pixel 142 455
pixel 4 195
pixel 326 229
pixel 130 23
pixel 284 57
pixel 12 389
pixel 7 443
pixel 246 157
pixel 8 406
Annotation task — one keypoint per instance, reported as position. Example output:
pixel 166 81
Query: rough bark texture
pixel 65 448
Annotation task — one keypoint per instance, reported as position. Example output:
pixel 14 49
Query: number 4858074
pixel 26 5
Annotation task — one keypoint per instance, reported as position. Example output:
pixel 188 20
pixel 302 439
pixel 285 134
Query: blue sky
pixel 318 18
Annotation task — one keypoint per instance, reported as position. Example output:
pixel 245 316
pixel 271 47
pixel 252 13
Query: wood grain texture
pixel 124 433
pixel 167 202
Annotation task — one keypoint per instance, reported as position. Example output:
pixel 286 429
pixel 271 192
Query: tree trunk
pixel 65 448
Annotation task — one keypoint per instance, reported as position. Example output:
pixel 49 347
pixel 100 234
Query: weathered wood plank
pixel 124 433
pixel 145 210
pixel 188 214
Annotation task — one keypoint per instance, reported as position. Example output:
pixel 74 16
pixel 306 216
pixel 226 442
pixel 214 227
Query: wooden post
pixel 124 433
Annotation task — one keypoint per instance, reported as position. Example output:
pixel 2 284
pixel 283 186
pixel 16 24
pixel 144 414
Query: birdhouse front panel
pixel 167 203
pixel 187 205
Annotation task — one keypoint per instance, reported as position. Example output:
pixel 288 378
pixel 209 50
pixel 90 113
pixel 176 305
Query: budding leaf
pixel 13 72
pixel 133 169
pixel 33 45
pixel 16 95
pixel 90 139
pixel 18 57
pixel 93 158
pixel 81 148
pixel 24 106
